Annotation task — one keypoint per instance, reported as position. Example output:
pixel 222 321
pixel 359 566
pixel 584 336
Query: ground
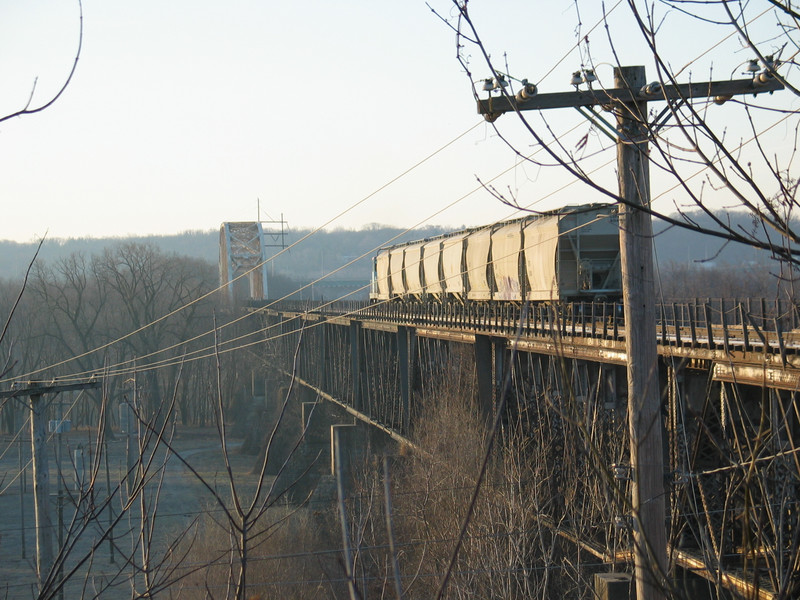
pixel 182 499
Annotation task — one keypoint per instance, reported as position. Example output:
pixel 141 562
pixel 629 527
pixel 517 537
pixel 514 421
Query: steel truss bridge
pixel 729 373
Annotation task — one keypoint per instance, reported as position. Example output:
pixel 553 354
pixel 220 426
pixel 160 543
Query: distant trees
pixel 130 294
pixel 684 281
pixel 143 321
pixel 147 288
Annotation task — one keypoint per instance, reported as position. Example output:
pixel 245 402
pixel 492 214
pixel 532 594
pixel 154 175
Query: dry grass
pixel 292 557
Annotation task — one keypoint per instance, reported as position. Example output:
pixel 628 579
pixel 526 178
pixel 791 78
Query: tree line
pixel 128 307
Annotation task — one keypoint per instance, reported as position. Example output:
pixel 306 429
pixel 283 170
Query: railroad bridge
pixel 349 349
pixel 729 373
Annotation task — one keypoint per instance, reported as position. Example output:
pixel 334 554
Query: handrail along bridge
pixel 729 371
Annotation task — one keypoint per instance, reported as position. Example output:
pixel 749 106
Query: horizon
pixel 309 114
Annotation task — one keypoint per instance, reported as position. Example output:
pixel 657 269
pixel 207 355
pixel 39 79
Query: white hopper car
pixel 571 255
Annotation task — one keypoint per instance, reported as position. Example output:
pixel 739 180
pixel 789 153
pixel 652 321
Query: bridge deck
pixel 755 346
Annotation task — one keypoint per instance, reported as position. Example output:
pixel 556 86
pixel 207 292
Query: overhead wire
pixel 307 327
pixel 314 231
pixel 718 43
pixel 169 361
pixel 222 347
pixel 577 44
pixel 331 220
pixel 48 439
pixel 321 278
pixel 173 360
pixel 210 293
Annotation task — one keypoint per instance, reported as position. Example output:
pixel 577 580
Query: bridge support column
pixel 316 423
pixel 356 342
pixel 489 366
pixel 345 440
pixel 258 388
pixel 407 357
pixel 324 355
pixel 283 330
pixel 674 425
pixel 307 410
pixel 303 352
pixel 695 384
pixel 612 398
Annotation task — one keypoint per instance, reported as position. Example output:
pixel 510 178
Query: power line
pixel 172 361
pixel 204 296
pixel 177 310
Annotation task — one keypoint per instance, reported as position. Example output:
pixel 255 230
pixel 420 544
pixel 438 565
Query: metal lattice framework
pixel 241 252
pixel 731 439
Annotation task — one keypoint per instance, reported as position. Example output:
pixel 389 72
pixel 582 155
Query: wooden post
pixel 41 468
pixel 644 416
pixel 22 471
pixel 337 432
pixel 110 504
pixel 41 488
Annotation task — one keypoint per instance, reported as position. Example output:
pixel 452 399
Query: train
pixel 570 255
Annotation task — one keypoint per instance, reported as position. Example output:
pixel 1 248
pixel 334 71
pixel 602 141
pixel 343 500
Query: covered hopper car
pixel 571 254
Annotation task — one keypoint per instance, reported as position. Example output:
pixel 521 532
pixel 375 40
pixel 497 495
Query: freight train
pixel 570 255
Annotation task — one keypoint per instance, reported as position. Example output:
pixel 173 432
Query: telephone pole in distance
pixel 41 467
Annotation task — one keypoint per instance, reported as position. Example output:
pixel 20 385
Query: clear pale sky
pixel 182 113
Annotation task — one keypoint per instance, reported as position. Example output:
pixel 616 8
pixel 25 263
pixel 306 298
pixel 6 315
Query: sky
pixel 184 114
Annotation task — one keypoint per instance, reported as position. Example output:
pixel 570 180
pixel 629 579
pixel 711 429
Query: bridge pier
pixel 354 441
pixel 729 409
pixel 324 354
pixel 356 364
pixel 490 360
pixel 407 358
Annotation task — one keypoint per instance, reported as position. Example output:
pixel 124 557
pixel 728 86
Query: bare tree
pixel 706 158
pixel 30 108
pixel 703 165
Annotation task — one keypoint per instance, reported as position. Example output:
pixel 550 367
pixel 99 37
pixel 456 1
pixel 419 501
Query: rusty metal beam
pixel 736 365
pixel 763 375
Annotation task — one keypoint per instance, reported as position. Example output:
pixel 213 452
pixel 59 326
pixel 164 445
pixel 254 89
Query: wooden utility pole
pixel 638 294
pixel 629 99
pixel 41 467
pixel 41 485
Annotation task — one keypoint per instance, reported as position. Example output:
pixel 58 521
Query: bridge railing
pixel 726 323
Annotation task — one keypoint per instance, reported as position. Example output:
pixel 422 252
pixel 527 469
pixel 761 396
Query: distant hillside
pixel 322 253
pixel 678 245
pixel 14 256
pixel 329 251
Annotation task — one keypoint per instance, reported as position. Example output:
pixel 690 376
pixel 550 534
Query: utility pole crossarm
pixel 494 106
pixel 41 469
pixel 31 388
